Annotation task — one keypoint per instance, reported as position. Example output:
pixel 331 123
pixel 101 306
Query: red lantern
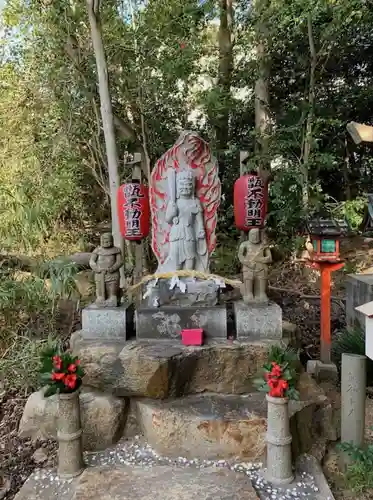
pixel 133 211
pixel 250 202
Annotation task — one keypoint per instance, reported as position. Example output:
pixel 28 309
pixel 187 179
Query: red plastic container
pixel 192 337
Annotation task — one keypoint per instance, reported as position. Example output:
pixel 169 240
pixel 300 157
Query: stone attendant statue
pixel 254 256
pixel 184 197
pixel 106 261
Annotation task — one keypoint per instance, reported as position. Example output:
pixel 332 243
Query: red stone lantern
pixel 133 211
pixel 250 202
pixel 325 257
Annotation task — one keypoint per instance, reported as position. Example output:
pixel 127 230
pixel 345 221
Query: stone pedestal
pixel 359 291
pixel 167 322
pixel 261 321
pixel 107 323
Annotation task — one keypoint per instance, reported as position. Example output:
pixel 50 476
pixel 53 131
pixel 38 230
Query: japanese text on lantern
pixel 132 209
pixel 254 201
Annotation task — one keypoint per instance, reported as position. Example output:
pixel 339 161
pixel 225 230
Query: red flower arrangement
pixel 279 378
pixel 61 371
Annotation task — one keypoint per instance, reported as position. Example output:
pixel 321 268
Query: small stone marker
pixel 353 393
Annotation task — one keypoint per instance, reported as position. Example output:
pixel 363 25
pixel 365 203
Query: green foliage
pixel 28 319
pixel 20 363
pixel 351 341
pixel 61 273
pixel 359 474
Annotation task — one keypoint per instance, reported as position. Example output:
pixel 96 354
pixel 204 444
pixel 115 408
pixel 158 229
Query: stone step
pixel 214 426
pixel 138 483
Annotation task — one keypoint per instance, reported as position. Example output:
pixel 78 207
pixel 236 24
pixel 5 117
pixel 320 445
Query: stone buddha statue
pixel 185 194
pixel 187 238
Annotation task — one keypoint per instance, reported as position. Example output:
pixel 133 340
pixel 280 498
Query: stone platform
pixel 167 322
pixel 125 471
pixel 138 483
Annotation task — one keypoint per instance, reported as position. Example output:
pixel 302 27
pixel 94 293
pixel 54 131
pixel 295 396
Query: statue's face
pixel 106 240
pixel 254 235
pixel 186 187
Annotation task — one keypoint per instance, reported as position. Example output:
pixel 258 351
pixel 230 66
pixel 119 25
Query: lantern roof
pixel 326 227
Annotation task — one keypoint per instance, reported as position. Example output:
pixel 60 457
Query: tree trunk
pixel 307 145
pixel 107 118
pixel 262 115
pixel 225 71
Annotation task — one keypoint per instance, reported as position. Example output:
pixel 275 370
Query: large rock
pixel 103 418
pixel 213 426
pixel 162 370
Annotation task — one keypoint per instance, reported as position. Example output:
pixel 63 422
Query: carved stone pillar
pixel 69 436
pixel 279 464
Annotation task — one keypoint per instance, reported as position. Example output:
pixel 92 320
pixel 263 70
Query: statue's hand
pixel 175 220
pixel 201 234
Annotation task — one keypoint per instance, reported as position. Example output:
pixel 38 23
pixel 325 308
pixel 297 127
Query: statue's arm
pixel 171 211
pixel 267 258
pixel 118 263
pixel 93 262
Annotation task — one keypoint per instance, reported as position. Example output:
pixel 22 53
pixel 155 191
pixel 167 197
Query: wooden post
pixel 138 247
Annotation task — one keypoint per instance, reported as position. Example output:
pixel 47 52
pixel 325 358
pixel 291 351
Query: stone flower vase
pixel 69 436
pixel 279 463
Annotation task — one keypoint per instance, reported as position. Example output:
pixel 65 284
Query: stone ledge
pixel 163 370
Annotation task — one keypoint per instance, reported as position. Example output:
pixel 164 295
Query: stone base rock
pixel 107 323
pixel 214 426
pixel 206 426
pixel 103 418
pixel 167 322
pixel 138 483
pixel 263 321
pixel 160 370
